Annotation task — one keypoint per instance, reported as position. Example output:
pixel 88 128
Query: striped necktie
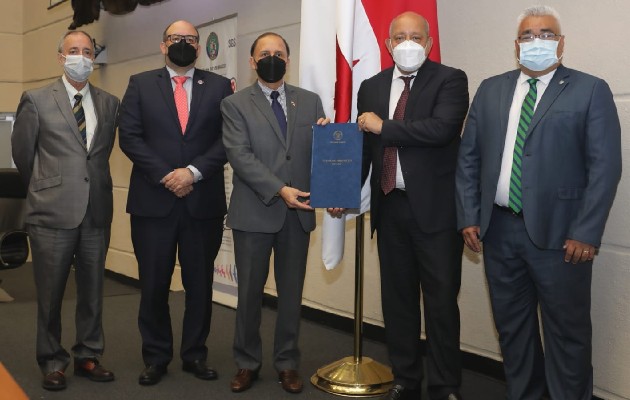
pixel 527 112
pixel 79 114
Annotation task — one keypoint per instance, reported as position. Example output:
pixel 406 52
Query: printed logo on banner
pixel 227 272
pixel 212 46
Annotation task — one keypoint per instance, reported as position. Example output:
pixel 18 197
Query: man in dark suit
pixel 62 139
pixel 412 115
pixel 538 169
pixel 170 128
pixel 267 135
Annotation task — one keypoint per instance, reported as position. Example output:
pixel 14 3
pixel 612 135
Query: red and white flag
pixel 342 42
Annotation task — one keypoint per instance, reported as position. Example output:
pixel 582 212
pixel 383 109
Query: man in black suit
pixel 170 128
pixel 412 115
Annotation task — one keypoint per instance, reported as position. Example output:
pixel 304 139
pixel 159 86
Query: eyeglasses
pixel 528 37
pixel 190 39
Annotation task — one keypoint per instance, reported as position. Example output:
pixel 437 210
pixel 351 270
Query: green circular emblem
pixel 212 46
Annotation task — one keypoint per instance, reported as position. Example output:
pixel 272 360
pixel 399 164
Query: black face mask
pixel 271 69
pixel 182 54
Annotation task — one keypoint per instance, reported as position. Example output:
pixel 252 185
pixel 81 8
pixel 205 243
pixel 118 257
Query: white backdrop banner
pixel 218 55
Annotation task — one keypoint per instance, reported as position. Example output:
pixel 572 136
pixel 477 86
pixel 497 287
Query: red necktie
pixel 390 154
pixel 181 101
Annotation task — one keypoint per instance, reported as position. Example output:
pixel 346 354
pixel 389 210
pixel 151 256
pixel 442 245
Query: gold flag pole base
pixel 354 378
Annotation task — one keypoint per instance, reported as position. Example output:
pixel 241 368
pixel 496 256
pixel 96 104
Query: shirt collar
pixel 522 78
pixel 72 90
pixel 172 73
pixel 397 74
pixel 267 90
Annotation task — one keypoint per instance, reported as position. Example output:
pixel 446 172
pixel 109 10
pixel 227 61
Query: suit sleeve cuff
pixel 196 174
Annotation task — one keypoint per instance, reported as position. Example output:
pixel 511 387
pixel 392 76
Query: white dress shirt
pixel 522 87
pixel 398 85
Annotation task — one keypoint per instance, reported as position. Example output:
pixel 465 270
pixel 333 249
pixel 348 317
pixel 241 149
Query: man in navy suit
pixel 170 128
pixel 414 113
pixel 538 169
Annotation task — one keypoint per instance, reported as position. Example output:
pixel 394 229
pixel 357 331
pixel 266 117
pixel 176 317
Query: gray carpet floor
pixel 320 346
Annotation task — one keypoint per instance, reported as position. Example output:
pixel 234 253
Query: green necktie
pixel 527 112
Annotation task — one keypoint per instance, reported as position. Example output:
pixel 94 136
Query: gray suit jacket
pixel 263 161
pixel 61 175
pixel 571 164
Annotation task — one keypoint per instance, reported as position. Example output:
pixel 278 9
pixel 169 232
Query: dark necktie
pixel 279 112
pixel 79 114
pixel 527 112
pixel 390 154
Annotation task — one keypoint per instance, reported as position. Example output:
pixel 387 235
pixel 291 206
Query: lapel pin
pixel 561 82
pixel 200 82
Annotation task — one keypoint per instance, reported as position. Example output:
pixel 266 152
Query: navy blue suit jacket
pixel 150 135
pixel 571 164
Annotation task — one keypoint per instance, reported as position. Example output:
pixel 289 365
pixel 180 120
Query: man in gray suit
pixel 537 173
pixel 62 139
pixel 267 135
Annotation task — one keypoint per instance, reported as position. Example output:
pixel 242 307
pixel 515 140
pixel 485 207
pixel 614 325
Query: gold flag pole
pixel 355 376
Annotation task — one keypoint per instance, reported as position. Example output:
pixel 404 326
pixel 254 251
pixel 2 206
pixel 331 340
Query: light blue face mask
pixel 538 55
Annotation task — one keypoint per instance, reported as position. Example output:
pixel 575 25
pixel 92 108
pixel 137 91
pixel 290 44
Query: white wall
pixel 476 36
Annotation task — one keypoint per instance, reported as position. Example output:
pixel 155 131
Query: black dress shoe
pixel 452 396
pixel 200 370
pixel 399 392
pixel 151 375
pixel 90 368
pixel 55 380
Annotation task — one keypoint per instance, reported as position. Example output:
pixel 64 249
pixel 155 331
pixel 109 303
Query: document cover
pixel 336 166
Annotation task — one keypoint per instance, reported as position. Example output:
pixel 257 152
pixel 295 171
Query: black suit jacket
pixel 427 139
pixel 150 135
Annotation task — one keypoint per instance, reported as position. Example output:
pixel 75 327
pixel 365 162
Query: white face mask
pixel 538 55
pixel 409 56
pixel 77 67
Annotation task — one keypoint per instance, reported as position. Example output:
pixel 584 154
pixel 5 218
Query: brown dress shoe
pixel 55 380
pixel 90 368
pixel 290 380
pixel 243 380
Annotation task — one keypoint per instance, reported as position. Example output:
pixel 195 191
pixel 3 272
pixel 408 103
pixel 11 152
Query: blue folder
pixel 336 166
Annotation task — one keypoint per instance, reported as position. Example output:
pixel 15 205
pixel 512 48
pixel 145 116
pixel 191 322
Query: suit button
pixel 86 179
pixel 288 158
pixel 88 157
